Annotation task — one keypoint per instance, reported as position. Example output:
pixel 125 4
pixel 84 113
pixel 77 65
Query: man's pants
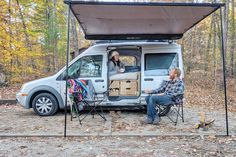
pixel 156 99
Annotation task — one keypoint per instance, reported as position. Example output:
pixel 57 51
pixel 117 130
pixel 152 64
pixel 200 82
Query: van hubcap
pixel 44 105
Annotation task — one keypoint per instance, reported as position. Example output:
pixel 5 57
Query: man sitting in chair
pixel 166 94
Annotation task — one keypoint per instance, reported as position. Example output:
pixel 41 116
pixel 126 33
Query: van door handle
pixel 148 79
pixel 99 80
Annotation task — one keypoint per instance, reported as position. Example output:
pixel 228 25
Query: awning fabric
pixel 129 20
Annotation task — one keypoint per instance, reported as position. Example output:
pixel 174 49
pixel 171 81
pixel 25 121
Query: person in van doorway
pixel 115 65
pixel 166 94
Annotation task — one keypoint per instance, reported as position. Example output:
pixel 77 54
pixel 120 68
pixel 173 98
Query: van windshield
pixel 159 64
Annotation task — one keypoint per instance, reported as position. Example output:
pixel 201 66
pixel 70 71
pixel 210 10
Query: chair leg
pixel 182 113
pixel 96 105
pixel 77 113
pixel 103 115
pixel 92 113
pixel 177 115
pixel 71 110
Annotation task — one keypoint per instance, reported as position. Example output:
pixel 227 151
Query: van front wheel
pixel 45 104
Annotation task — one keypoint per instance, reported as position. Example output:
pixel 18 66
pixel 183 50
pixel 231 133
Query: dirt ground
pixel 119 146
pixel 15 120
pixel 123 134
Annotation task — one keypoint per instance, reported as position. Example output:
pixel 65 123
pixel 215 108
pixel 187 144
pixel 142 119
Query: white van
pixel 147 64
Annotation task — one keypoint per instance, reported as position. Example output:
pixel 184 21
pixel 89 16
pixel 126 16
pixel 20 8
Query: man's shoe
pixel 148 121
pixel 156 121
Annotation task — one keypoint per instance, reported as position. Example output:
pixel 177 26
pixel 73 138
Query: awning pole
pixel 67 62
pixel 224 75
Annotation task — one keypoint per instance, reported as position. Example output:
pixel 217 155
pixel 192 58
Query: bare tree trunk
pixel 225 30
pixel 10 40
pixel 55 38
pixel 28 44
pixel 192 51
pixel 232 41
pixel 48 41
pixel 9 23
pixel 214 49
pixel 208 47
pixel 74 34
pixel 27 40
pixel 199 36
pixel 214 45
pixel 188 56
pixel 221 83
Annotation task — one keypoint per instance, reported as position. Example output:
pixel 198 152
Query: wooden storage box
pixel 128 84
pixel 114 92
pixel 128 88
pixel 128 92
pixel 114 84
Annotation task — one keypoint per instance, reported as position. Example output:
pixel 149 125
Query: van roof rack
pixel 121 41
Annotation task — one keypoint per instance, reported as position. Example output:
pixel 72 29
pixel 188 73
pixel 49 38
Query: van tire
pixel 45 104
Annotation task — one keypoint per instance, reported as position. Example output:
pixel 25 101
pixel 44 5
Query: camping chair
pixel 84 97
pixel 176 107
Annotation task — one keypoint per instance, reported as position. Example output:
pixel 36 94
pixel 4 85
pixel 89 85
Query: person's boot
pixel 157 120
pixel 148 121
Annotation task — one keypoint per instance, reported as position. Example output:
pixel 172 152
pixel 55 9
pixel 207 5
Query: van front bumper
pixel 21 99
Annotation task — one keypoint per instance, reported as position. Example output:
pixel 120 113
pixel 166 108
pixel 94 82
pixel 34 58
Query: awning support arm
pixel 224 73
pixel 67 63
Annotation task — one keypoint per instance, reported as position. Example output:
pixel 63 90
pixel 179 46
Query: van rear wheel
pixel 45 104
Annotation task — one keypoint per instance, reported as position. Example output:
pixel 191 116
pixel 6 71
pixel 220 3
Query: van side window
pixel 91 66
pixel 159 64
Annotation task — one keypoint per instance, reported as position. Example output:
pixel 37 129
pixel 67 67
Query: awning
pixel 112 20
pixel 129 20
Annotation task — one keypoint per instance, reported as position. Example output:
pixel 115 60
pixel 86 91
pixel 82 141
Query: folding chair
pixel 83 96
pixel 173 108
